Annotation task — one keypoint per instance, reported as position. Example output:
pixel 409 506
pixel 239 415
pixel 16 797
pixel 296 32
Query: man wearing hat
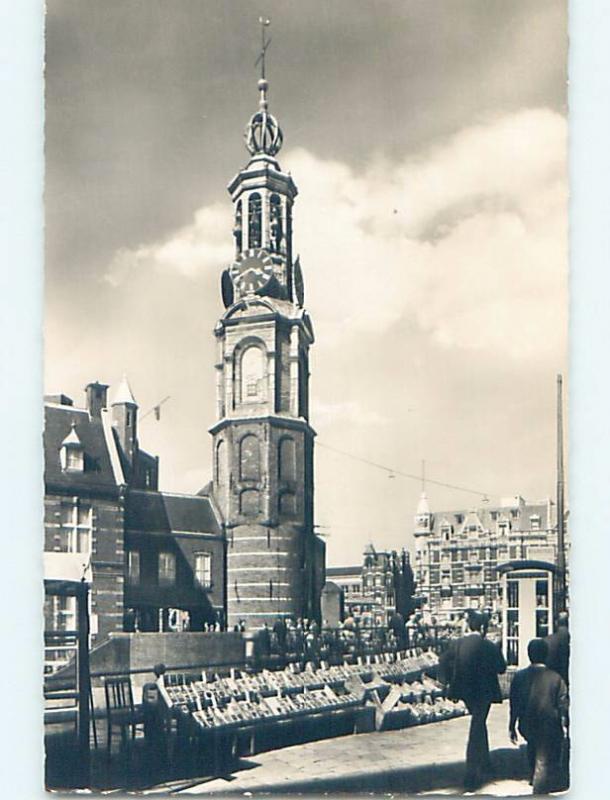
pixel 471 667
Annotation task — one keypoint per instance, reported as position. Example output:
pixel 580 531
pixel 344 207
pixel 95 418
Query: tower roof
pixel 423 506
pixel 124 395
pixel 72 439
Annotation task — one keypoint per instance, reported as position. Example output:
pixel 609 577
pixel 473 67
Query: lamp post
pixel 560 573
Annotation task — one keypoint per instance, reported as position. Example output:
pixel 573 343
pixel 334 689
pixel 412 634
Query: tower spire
pixel 263 134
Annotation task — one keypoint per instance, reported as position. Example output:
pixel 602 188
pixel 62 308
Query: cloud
pixel 204 244
pixel 466 239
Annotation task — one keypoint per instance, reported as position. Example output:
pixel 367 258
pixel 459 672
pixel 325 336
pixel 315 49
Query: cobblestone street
pixel 427 759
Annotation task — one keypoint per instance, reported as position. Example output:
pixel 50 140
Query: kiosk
pixel 527 606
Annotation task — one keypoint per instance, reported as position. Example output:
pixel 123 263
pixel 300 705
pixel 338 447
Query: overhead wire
pixel 393 471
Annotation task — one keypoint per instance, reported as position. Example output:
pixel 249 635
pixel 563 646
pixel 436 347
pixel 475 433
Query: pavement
pixel 427 759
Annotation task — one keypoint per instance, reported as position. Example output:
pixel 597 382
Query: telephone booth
pixel 527 606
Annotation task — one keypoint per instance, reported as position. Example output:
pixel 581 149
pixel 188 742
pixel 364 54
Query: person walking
pixel 539 711
pixel 471 666
pixel 558 657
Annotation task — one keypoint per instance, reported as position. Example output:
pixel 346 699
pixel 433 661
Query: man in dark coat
pixel 539 706
pixel 471 666
pixel 558 658
pixel 279 628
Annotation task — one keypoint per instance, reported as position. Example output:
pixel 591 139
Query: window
pixel 63 613
pixel 535 523
pixel 287 460
pixel 249 458
pixel 249 503
pixel 253 375
pixel 254 220
pixel 203 569
pixel 446 533
pixel 133 566
pixel 74 459
pixel 474 557
pixel 288 504
pixel 237 230
pixel 75 531
pixel 276 221
pixel 167 569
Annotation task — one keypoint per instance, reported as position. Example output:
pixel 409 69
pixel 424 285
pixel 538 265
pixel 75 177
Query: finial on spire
pixel 262 84
pixel 263 134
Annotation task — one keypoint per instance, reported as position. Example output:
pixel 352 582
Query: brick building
pixel 263 442
pixel 155 560
pixel 458 552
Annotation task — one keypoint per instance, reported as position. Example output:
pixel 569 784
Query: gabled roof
pixel 158 512
pixel 63 423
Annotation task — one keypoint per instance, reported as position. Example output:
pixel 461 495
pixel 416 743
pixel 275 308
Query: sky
pixel 428 143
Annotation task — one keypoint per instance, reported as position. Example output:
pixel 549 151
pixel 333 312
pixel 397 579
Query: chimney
pixel 97 398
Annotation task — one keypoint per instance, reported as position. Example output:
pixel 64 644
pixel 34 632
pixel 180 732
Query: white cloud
pixel 204 244
pixel 468 240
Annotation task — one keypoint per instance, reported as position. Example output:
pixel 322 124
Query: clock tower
pixel 263 442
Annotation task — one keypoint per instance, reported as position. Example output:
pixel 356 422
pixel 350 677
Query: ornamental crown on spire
pixel 263 134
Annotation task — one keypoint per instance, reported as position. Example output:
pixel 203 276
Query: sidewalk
pixel 427 759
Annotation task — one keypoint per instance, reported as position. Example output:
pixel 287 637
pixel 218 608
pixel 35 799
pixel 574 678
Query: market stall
pixel 216 718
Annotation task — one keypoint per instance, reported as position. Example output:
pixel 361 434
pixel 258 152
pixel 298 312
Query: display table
pixel 219 718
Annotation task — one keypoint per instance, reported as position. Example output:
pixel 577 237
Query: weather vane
pixel 264 22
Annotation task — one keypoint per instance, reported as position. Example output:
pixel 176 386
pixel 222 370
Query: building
pixel 380 587
pixel 458 553
pixel 244 548
pixel 263 444
pixel 155 560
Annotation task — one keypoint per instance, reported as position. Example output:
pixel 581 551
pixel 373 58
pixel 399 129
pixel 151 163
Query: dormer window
pixel 72 453
pixel 535 522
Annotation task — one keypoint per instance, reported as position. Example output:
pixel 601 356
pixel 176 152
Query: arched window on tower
pixel 249 458
pixel 221 463
pixel 287 459
pixel 255 211
pixel 253 375
pixel 276 222
pixel 238 228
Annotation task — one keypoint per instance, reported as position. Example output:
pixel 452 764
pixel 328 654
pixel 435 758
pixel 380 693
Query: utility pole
pixel 560 575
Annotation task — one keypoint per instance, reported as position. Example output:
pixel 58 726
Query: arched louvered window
pixel 255 212
pixel 253 375
pixel 238 227
pixel 275 213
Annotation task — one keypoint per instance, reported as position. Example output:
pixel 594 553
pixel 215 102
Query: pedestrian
pixel 471 666
pixel 539 710
pixel 279 628
pixel 558 643
pixel 264 638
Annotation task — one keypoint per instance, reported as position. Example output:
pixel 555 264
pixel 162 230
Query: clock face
pixel 251 271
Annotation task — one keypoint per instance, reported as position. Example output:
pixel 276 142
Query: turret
pixel 125 420
pixel 423 521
